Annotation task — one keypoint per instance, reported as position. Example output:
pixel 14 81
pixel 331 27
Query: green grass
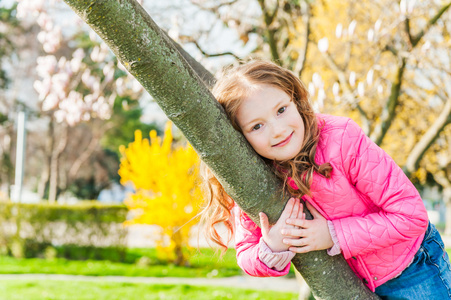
pixel 201 264
pixel 64 290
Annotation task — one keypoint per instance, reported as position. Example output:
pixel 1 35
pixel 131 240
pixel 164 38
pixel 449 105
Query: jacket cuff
pixel 335 250
pixel 274 260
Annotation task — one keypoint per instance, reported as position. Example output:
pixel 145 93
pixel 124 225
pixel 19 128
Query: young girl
pixel 363 205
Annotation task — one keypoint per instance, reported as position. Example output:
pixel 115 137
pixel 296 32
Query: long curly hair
pixel 234 85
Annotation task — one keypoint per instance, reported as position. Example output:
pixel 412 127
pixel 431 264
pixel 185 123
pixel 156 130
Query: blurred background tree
pixel 81 105
pixel 167 186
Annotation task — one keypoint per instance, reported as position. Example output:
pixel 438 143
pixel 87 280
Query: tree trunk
pixel 151 57
pixel 45 174
pixel 54 165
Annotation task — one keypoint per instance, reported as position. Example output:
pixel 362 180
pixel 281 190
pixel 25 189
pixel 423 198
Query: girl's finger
pixel 264 223
pixel 301 214
pixel 292 232
pixel 288 209
pixel 304 249
pixel 296 209
pixel 313 211
pixel 295 242
pixel 298 222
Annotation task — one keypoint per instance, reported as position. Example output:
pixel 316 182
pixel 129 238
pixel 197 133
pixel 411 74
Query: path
pixel 280 284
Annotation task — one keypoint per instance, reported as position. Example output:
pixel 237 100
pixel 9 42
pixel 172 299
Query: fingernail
pixel 284 232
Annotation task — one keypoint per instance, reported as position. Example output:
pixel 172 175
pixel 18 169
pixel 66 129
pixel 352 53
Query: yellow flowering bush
pixel 167 191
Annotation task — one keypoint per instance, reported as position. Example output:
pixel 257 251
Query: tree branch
pixel 389 110
pixel 214 54
pixel 428 139
pixel 268 19
pixel 348 92
pixel 415 40
pixel 300 63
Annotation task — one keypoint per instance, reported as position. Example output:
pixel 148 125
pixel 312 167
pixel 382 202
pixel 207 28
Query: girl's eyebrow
pixel 278 103
pixel 274 108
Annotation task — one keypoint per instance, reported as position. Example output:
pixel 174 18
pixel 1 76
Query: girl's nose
pixel 277 130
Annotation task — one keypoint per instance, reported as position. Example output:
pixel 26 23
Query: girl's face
pixel 271 123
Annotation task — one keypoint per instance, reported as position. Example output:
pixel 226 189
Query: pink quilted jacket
pixel 378 214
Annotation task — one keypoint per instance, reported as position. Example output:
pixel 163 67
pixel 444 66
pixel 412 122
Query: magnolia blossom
pixel 60 116
pixel 352 78
pixel 361 89
pixel 426 46
pixel 99 53
pixel 29 7
pixel 406 6
pixel 317 81
pixel 42 87
pixel 46 65
pixel 370 35
pixel 377 25
pixel 336 89
pixel 60 82
pixel 174 31
pixel 323 45
pixel 126 86
pixel 311 89
pixel 108 71
pixel 67 86
pixel 50 102
pixel 50 39
pixel 339 30
pixel 369 77
pixel 351 28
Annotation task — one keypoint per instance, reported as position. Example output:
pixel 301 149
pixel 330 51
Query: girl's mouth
pixel 284 142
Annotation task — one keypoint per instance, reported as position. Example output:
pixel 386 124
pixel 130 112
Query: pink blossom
pixel 79 53
pixel 50 102
pixel 60 116
pixel 46 65
pixel 86 116
pixel 108 71
pixel 26 7
pixel 43 87
pixel 136 86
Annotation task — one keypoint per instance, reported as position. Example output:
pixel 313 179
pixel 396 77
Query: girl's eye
pixel 281 110
pixel 257 127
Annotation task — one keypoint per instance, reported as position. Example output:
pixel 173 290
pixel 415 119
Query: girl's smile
pixel 271 123
pixel 284 142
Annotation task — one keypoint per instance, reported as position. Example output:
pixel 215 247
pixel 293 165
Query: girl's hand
pixel 310 236
pixel 272 234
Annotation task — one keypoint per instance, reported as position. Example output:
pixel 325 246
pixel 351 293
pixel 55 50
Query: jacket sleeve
pixel 401 214
pixel 247 238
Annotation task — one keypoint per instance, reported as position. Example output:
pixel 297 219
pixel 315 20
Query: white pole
pixel 20 156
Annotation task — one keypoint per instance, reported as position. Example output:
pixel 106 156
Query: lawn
pixel 65 290
pixel 203 263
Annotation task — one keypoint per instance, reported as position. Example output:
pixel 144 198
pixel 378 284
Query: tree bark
pixel 150 56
